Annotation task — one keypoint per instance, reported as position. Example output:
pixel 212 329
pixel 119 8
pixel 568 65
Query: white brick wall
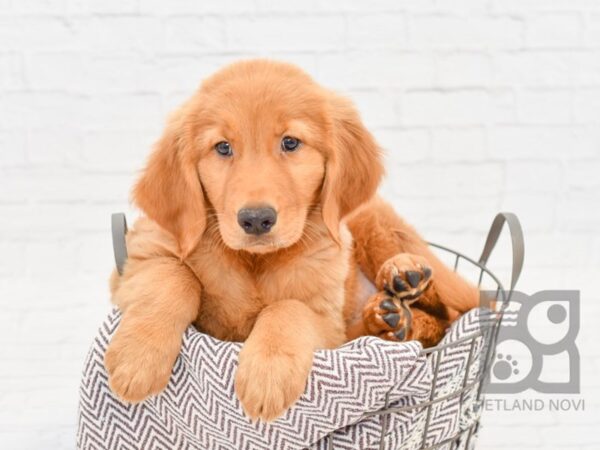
pixel 498 99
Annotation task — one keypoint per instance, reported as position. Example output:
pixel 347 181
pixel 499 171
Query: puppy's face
pixel 259 145
pixel 262 156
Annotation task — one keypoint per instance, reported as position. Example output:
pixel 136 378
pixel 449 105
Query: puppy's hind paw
pixel 404 277
pixel 386 317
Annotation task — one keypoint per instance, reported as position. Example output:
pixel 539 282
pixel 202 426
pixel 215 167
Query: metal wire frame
pixel 488 334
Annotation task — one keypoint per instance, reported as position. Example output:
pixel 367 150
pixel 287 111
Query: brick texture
pixel 481 105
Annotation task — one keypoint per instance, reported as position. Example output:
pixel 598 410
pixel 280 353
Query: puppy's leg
pixel 393 256
pixel 276 359
pixel 379 234
pixel 158 298
pixel 404 281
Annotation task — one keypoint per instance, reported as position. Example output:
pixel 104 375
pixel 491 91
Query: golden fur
pixel 292 290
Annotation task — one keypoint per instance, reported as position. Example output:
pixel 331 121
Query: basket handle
pixel 119 230
pixel 518 244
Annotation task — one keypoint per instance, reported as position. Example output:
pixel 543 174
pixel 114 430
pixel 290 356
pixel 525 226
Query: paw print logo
pixel 512 364
pixel 505 367
pixel 536 330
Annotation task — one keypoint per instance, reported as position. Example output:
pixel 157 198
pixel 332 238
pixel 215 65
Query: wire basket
pixel 481 343
pixel 429 398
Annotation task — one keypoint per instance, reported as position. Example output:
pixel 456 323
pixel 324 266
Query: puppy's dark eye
pixel 223 148
pixel 290 144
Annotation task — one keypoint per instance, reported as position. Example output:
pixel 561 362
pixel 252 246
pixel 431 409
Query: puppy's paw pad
pixel 384 316
pixel 404 276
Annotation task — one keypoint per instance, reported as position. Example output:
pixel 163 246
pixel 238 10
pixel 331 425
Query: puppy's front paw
pixel 404 276
pixel 137 368
pixel 267 385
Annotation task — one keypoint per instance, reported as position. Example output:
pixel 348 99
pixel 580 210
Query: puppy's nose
pixel 257 220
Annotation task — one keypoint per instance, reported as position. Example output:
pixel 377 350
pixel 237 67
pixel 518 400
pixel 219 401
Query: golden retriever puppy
pixel 262 226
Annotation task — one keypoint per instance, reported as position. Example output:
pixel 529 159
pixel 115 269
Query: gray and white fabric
pixel 199 408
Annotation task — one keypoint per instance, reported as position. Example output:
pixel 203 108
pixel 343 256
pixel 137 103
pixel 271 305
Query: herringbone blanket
pixel 199 409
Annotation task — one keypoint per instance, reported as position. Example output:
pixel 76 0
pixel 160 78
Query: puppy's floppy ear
pixel 169 191
pixel 353 168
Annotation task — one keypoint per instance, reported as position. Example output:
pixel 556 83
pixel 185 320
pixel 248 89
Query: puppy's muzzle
pixel 257 221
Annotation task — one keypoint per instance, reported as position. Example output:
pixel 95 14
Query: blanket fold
pixel 199 408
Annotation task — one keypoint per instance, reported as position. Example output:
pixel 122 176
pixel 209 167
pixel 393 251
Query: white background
pixel 482 105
